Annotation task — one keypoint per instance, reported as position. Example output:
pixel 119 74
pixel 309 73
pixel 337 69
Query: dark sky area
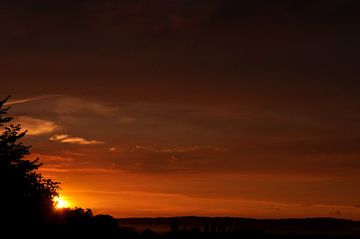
pixel 190 107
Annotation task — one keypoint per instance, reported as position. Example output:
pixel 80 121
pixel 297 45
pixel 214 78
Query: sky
pixel 190 107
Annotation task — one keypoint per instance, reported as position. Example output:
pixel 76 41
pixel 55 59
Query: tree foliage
pixel 26 195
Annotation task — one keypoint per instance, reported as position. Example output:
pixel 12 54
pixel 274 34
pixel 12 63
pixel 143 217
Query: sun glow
pixel 61 202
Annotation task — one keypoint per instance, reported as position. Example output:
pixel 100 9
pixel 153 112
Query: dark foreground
pixel 203 227
pixel 82 224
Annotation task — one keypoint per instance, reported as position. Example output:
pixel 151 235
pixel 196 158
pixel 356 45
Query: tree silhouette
pixel 26 196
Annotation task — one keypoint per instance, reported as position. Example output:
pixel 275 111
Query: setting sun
pixel 61 202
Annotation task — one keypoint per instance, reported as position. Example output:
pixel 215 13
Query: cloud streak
pixel 78 170
pixel 73 106
pixel 185 149
pixel 27 100
pixel 64 138
pixel 37 126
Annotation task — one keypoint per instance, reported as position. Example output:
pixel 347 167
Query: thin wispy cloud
pixel 37 126
pixel 51 158
pixel 185 149
pixel 77 105
pixel 190 149
pixel 79 140
pixel 26 100
pixel 58 137
pixel 64 138
pixel 78 170
pixel 113 149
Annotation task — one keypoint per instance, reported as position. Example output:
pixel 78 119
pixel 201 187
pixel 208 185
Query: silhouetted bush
pixel 26 196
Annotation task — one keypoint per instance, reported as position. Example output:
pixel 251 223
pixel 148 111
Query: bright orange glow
pixel 61 202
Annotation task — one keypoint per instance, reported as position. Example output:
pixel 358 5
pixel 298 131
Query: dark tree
pixel 26 196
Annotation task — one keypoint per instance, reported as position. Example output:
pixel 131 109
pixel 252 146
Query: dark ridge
pixel 304 226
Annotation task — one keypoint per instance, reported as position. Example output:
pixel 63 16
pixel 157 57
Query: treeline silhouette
pixel 231 228
pixel 27 209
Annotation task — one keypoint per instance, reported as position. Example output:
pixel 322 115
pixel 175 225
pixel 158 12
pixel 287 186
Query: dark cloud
pixel 296 54
pixel 168 137
pixel 81 25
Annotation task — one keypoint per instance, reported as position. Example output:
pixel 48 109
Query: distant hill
pixel 306 226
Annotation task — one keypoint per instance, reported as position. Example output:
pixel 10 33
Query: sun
pixel 61 202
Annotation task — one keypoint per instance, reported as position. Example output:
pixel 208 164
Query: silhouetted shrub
pixel 26 196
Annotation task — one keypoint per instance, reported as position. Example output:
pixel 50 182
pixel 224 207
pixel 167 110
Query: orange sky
pixel 136 161
pixel 164 108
